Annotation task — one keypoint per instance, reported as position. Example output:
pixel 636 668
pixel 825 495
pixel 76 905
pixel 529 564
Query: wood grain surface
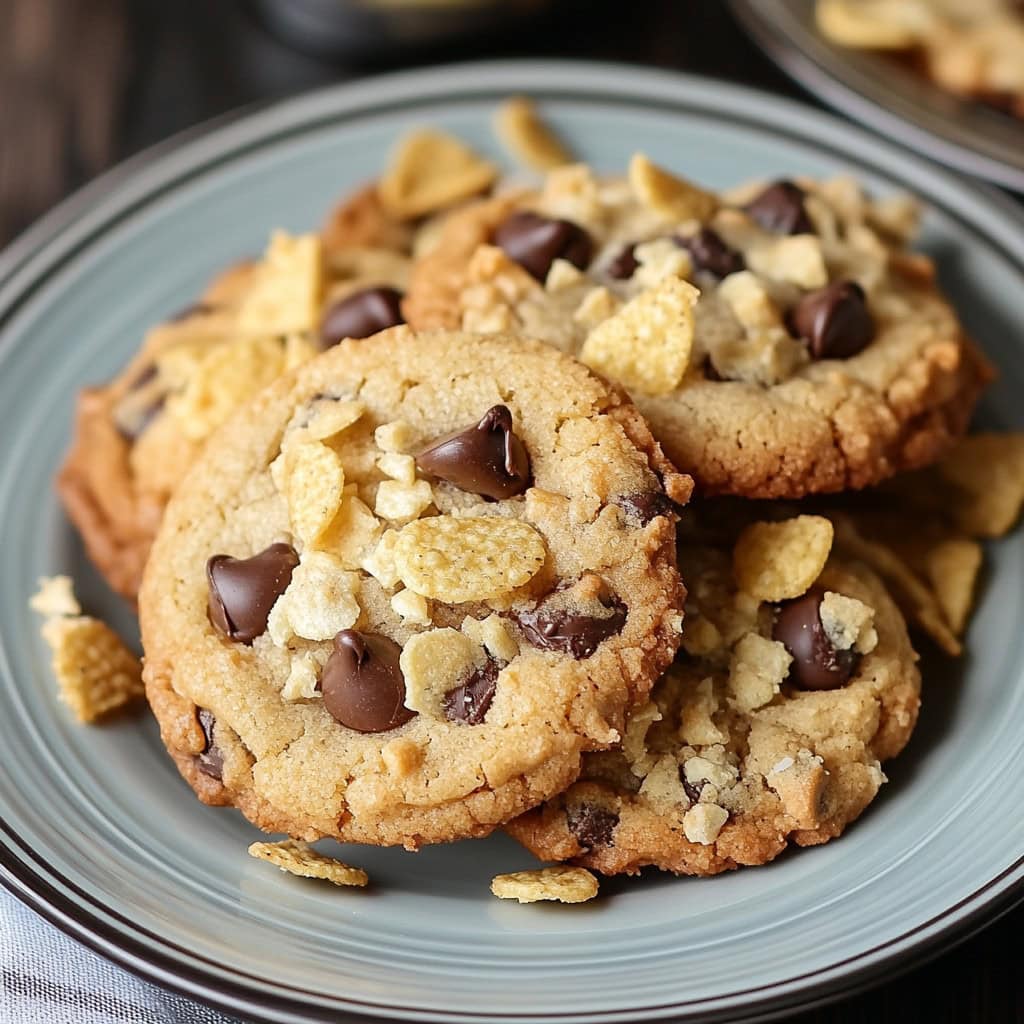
pixel 85 83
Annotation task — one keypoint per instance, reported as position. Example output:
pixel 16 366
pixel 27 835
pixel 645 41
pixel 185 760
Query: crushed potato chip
pixel 456 559
pixel 400 502
pixel 646 345
pixel 988 472
pixel 96 673
pixel 952 567
pixel 562 275
pixel 393 437
pixel 412 608
pixel 669 196
pixel 353 532
pixel 663 789
pixel 55 597
pixel 749 301
pixel 493 635
pixel 876 25
pixel 848 623
pixel 320 601
pixel 380 563
pixel 798 259
pixel 521 130
pixel 328 419
pixel 433 663
pixel 301 859
pixel 314 482
pixel 595 307
pixel 702 823
pixel 564 884
pixel 659 259
pixel 634 742
pixel 430 170
pixel 285 296
pixel 399 467
pixel 302 678
pixel 778 561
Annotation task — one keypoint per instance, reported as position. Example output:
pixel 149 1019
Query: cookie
pixel 770 729
pixel 404 590
pixel 780 339
pixel 971 48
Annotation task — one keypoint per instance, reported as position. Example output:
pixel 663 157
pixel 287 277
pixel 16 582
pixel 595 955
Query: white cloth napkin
pixel 47 978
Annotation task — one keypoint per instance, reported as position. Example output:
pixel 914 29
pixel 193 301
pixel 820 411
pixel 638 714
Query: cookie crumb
pixel 301 859
pixel 562 884
pixel 55 597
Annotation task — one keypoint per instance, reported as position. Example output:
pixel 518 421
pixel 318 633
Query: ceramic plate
pixel 100 835
pixel 886 96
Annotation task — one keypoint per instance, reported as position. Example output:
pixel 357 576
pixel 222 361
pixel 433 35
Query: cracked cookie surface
pixel 404 590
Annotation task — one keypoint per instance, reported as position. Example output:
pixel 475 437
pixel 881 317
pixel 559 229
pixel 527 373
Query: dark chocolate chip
pixel 817 664
pixel 486 458
pixel 211 760
pixel 711 254
pixel 243 590
pixel 780 209
pixel 361 314
pixel 535 242
pixel 646 505
pixel 693 789
pixel 469 702
pixel 362 682
pixel 834 321
pixel 559 629
pixel 591 825
pixel 624 264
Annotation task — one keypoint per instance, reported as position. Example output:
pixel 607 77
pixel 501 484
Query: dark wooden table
pixel 85 83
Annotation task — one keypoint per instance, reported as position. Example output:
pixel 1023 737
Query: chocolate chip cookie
pixel 796 681
pixel 781 338
pixel 403 591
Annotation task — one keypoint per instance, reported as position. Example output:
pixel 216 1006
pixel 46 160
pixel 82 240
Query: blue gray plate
pixel 98 833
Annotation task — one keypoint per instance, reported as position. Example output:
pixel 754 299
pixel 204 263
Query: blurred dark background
pixel 86 83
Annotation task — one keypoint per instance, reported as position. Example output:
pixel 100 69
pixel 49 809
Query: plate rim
pixel 89 213
pixel 831 88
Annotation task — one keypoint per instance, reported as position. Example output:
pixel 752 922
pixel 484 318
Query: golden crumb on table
pixel 562 884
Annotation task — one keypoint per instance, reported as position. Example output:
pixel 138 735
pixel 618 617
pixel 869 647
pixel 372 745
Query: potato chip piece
pixel 399 467
pixel 430 170
pixel 646 345
pixel 320 601
pixel 330 418
pixel 400 502
pixel 55 597
pixel 702 823
pixel 988 472
pixel 669 196
pixel 380 563
pixel 353 532
pixel 412 608
pixel 521 130
pixel 314 486
pixel 874 25
pixel 433 663
pixel 663 789
pixel 303 677
pixel 564 884
pixel 779 561
pixel 849 624
pixel 456 559
pixel 492 634
pixel 749 301
pixel 798 259
pixel 284 296
pixel 301 859
pixel 952 567
pixel 96 673
pixel 395 437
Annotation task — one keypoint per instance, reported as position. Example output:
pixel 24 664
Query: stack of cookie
pixel 415 505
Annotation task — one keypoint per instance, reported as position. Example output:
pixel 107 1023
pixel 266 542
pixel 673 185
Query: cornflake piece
pixel 703 822
pixel 96 673
pixel 521 130
pixel 952 567
pixel 430 170
pixel 797 259
pixel 564 884
pixel 433 663
pixel 646 346
pixel 411 608
pixel 55 597
pixel 302 678
pixel 988 471
pixel 320 601
pixel 663 789
pixel 670 197
pixel 749 301
pixel 301 859
pixel 456 559
pixel 314 482
pixel 393 437
pixel 756 671
pixel 778 561
pixel 399 467
pixel 848 623
pixel 285 295
pixel 401 502
pixel 493 635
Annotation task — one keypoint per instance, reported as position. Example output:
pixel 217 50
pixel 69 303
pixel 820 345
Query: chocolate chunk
pixel 834 321
pixel 817 664
pixel 535 242
pixel 362 682
pixel 591 825
pixel 646 505
pixel 710 253
pixel 469 702
pixel 780 209
pixel 361 314
pixel 559 629
pixel 624 264
pixel 211 760
pixel 693 789
pixel 243 590
pixel 486 458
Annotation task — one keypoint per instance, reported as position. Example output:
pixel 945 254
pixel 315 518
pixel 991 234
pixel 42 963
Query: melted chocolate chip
pixel 646 505
pixel 486 458
pixel 591 825
pixel 711 254
pixel 559 629
pixel 780 209
pixel 362 683
pixel 834 321
pixel 817 664
pixel 211 760
pixel 535 242
pixel 361 314
pixel 243 590
pixel 624 264
pixel 469 702
pixel 693 789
